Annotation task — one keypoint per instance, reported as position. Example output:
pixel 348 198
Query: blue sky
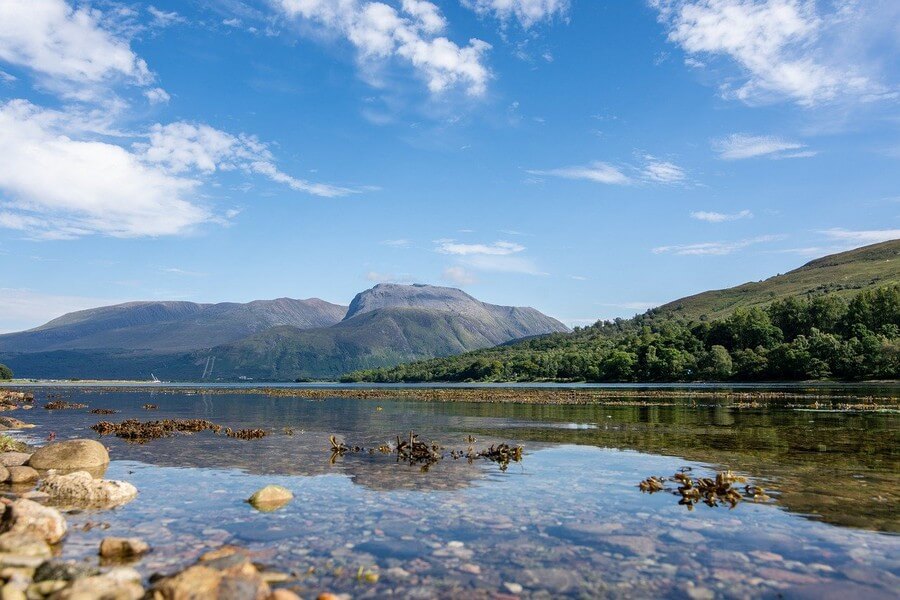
pixel 587 158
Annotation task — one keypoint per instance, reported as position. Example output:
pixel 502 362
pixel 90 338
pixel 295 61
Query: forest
pixel 818 337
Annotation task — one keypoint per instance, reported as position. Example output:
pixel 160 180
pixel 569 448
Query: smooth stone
pixel 100 587
pixel 22 474
pixel 11 591
pixel 70 455
pixel 45 588
pixel 271 497
pixel 14 423
pixel 26 544
pixel 113 547
pixel 282 594
pixel 80 489
pixel 4 474
pixel 513 588
pixel 27 516
pixel 14 459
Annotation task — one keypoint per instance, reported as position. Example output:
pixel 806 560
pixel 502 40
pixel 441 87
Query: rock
pixel 513 588
pixel 13 423
pixel 25 544
pixel 271 497
pixel 4 474
pixel 328 596
pixel 13 459
pixel 113 547
pixel 21 474
pixel 11 591
pixel 79 489
pixel 27 516
pixel 226 574
pixel 284 595
pixel 101 587
pixel 70 455
pixel 470 568
pixel 65 570
pixel 45 588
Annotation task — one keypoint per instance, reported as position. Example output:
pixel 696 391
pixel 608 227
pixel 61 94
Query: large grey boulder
pixel 81 490
pixel 70 455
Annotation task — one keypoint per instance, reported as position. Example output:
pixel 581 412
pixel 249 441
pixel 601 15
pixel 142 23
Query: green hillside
pixel 843 274
pixel 835 318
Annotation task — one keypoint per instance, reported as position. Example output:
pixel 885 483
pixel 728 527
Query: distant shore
pixel 868 396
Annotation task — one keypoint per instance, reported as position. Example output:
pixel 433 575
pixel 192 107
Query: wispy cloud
pixel 598 172
pixel 526 12
pixel 717 217
pixel 661 171
pixel 500 248
pixel 740 146
pixel 714 248
pixel 459 276
pixel 870 236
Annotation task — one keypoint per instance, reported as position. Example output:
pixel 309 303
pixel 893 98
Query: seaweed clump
pixel 103 411
pixel 136 431
pixel 411 450
pixel 718 491
pixel 150 407
pixel 246 434
pixel 62 404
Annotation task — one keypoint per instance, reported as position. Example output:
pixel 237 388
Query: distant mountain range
pixel 280 339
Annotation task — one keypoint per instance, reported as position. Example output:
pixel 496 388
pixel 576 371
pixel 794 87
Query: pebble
pixel 513 588
pixel 470 568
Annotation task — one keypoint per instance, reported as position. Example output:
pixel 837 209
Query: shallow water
pixel 568 520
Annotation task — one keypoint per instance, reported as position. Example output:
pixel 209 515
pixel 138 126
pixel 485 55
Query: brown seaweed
pixel 718 491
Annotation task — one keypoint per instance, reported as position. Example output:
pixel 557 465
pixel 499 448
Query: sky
pixel 588 158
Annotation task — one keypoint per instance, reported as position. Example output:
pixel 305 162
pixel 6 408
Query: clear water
pixel 568 520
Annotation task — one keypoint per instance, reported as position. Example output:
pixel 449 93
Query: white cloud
pixel 717 217
pixel 872 236
pixel 157 96
pixel 56 40
pixel 500 257
pixel 653 170
pixel 526 12
pixel 739 146
pixel 400 243
pixel 714 248
pixel 783 47
pixel 183 147
pixel 162 18
pixel 56 186
pixel 23 308
pixel 598 172
pixel 495 249
pixel 380 32
pixel 458 276
pixel 660 171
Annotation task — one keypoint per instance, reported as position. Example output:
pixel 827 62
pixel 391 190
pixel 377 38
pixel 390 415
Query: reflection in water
pixel 568 520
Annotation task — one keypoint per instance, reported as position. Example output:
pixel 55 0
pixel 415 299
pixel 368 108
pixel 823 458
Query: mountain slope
pixel 169 326
pixel 843 274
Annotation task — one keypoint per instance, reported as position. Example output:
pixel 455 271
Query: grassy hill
pixel 843 274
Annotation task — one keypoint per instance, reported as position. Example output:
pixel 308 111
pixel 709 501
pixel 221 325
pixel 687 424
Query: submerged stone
pixel 271 497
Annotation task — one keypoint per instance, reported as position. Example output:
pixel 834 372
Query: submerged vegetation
pixel 819 337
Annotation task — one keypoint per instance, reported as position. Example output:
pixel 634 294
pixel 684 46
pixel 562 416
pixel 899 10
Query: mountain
pixel 843 274
pixel 835 317
pixel 169 326
pixel 384 326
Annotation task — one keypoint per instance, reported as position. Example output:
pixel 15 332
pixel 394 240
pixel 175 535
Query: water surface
pixel 568 520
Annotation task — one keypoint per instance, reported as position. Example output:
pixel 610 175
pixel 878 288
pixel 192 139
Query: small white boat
pixel 154 379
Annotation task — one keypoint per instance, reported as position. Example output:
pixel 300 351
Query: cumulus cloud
pixel 379 31
pixel 61 42
pixel 526 12
pixel 781 46
pixel 714 248
pixel 740 146
pixel 157 96
pixel 183 147
pixel 56 186
pixel 717 217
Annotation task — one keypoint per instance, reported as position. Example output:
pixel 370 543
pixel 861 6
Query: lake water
pixel 566 521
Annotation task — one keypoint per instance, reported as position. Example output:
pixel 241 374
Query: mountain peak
pixel 417 295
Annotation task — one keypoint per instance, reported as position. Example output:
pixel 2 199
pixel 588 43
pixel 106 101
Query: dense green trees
pixel 5 373
pixel 821 337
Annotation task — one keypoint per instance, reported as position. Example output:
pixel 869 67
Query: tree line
pixel 793 339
